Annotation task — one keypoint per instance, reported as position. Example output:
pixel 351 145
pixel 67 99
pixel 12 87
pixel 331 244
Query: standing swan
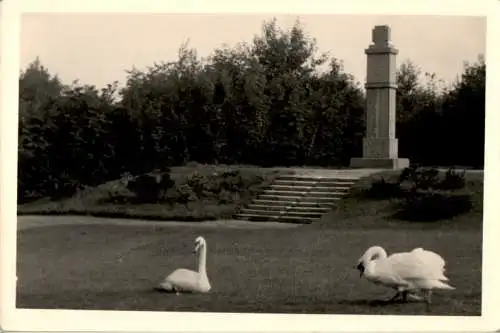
pixel 405 272
pixel 186 280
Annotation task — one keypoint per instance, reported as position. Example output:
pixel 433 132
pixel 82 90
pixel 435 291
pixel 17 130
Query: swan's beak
pixel 196 248
pixel 361 269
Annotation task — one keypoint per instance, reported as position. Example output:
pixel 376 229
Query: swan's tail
pixel 443 277
pixel 442 285
pixel 165 287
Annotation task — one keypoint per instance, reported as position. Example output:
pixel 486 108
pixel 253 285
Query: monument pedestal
pixel 380 153
pixel 380 146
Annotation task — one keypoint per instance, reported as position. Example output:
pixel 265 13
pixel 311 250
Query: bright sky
pixel 98 48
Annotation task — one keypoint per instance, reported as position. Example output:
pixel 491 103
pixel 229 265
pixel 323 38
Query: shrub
pixel 183 195
pixel 383 189
pixel 226 197
pixel 150 188
pixel 64 187
pixel 419 178
pixel 434 205
pixel 223 187
pixel 198 184
pixel 453 180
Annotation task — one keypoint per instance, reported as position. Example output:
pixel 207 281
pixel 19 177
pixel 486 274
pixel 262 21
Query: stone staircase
pixel 299 198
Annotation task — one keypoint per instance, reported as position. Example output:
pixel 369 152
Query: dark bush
pixel 419 178
pixel 221 186
pixel 432 206
pixel 182 195
pixel 64 187
pixel 383 189
pixel 150 188
pixel 199 184
pixel 453 180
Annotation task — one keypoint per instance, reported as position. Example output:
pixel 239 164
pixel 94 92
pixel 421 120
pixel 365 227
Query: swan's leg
pixel 396 297
pixel 429 296
pixel 408 295
pixel 405 295
pixel 414 297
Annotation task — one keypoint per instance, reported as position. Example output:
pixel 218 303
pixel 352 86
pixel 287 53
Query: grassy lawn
pixel 113 199
pixel 308 269
pixel 302 269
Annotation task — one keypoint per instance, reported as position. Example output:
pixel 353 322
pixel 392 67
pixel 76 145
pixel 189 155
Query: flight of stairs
pixel 297 198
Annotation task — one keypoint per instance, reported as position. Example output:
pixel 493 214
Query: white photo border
pixel 126 321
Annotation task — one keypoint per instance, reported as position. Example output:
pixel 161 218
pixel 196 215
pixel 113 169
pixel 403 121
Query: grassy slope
pixel 95 201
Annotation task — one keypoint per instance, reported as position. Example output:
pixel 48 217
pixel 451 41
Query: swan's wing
pixel 383 272
pixel 183 279
pixel 432 259
pixel 411 266
pixel 429 254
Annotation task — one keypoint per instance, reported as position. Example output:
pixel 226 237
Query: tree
pixel 464 114
pixel 438 125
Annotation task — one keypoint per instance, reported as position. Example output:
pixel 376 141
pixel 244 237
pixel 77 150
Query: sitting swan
pixel 405 272
pixel 185 280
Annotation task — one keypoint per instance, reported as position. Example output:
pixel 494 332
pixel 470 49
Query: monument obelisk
pixel 380 146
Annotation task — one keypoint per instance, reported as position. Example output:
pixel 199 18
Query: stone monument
pixel 380 146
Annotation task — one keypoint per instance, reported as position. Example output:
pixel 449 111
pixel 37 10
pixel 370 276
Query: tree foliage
pixel 439 125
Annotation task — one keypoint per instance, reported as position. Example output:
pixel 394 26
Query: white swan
pixel 186 280
pixel 433 259
pixel 406 271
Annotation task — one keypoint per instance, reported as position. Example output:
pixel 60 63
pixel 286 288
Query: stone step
pixel 299 198
pixel 257 217
pixel 261 212
pixel 295 182
pixel 330 183
pixel 286 208
pixel 284 212
pixel 322 188
pixel 321 181
pixel 299 193
pixel 280 187
pixel 277 214
pixel 303 214
pixel 280 203
pixel 297 188
pixel 331 194
pixel 291 219
pixel 336 179
pixel 266 208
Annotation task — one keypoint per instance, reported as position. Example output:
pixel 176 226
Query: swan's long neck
pixel 375 253
pixel 202 261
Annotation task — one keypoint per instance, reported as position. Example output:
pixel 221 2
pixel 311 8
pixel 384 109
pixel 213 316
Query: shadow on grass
pixel 375 302
pixel 433 207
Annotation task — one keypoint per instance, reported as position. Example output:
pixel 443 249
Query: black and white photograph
pixel 251 163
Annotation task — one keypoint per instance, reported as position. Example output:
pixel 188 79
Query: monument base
pixel 379 163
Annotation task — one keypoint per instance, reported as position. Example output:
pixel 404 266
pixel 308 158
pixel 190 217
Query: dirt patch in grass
pixel 296 270
pixel 113 199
